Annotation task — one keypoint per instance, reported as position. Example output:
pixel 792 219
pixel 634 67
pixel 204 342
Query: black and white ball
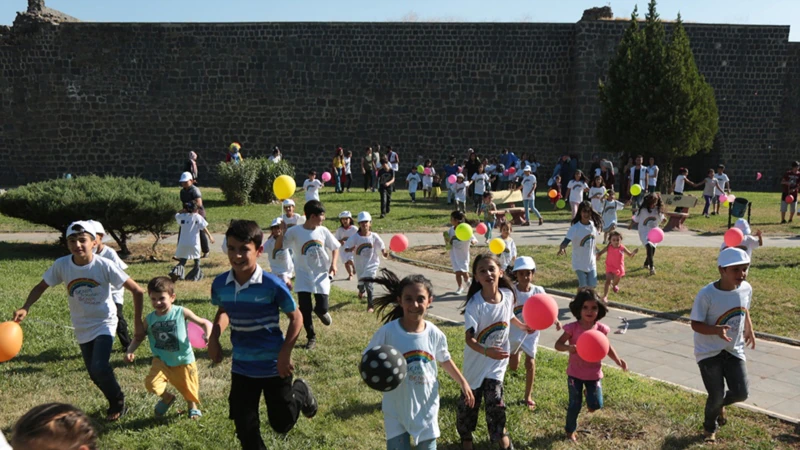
pixel 383 368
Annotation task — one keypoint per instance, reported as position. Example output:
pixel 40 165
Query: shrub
pixel 267 173
pixel 237 180
pixel 125 206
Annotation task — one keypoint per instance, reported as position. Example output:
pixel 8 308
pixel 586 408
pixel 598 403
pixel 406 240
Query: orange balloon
pixel 10 340
pixel 553 193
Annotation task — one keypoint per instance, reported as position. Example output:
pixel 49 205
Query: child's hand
pixel 573 349
pixel 749 338
pixel 558 325
pixel 496 353
pixel 623 365
pixel 208 326
pixel 722 330
pixel 386 254
pixel 129 357
pixel 285 366
pixel 332 270
pixel 211 238
pixel 214 351
pixel 758 233
pixel 19 315
pixel 561 251
pixel 469 397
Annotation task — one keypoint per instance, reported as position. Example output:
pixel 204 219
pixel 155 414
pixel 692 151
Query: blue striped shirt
pixel 254 311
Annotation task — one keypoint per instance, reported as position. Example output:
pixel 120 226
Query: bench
pixel 509 198
pixel 676 219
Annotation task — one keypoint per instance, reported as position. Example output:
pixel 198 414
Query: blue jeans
pixel 587 279
pixel 594 399
pixel 403 442
pixel 529 205
pixel 337 174
pixel 96 356
pixel 489 226
pixel 716 371
pixel 708 202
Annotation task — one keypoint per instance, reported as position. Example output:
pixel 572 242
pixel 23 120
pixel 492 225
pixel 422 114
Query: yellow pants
pixel 183 377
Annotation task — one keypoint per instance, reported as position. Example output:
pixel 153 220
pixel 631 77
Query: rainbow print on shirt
pixel 495 327
pixel 518 311
pixel 309 245
pixel 276 252
pixel 363 247
pixel 418 356
pixel 586 241
pixel 81 283
pixel 731 314
pixel 648 220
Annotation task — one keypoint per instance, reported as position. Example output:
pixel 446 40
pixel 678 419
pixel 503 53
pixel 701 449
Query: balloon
pixel 731 198
pixel 398 243
pixel 420 169
pixel 636 190
pixel 451 179
pixel 723 198
pixel 326 176
pixel 497 245
pixel 553 193
pixel 481 228
pixel 726 203
pixel 284 187
pixel 197 337
pixel 10 340
pixel 463 232
pixel 561 203
pixel 592 346
pixel 512 170
pixel 733 237
pixel 427 171
pixel 789 199
pixel 758 176
pixel 656 235
pixel 383 368
pixel 460 169
pixel 540 311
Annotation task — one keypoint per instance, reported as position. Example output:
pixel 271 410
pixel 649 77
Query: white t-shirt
pixel 528 184
pixel 647 220
pixel 680 181
pixel 610 208
pixel 642 175
pixel 296 219
pixel 427 180
pixel 509 255
pixel 280 261
pixel 312 189
pixel 480 180
pixel 366 252
pixel 110 254
pixel 275 158
pixel 517 336
pixel 192 224
pixel 393 161
pixel 583 240
pixel 459 251
pixel 311 258
pixel 652 174
pixel 347 168
pixel 91 306
pixel 413 180
pixel 460 190
pixel 749 243
pixel 710 188
pixel 596 195
pixel 489 322
pixel 342 235
pixel 576 188
pixel 413 407
pixel 716 307
pixel 723 181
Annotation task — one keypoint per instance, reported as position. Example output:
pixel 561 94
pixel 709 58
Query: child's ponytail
pixel 394 291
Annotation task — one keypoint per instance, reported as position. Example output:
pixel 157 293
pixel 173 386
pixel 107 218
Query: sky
pixel 762 12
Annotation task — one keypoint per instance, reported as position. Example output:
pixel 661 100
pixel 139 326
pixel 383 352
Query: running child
pixel 749 243
pixel 615 262
pixel 585 228
pixel 584 377
pixel 89 282
pixel 343 233
pixel 610 208
pixel 488 313
pixel 711 187
pixel 289 217
pixel 437 186
pixel 529 195
pixel 280 261
pixel 110 254
pixel 575 190
pixel 365 247
pixel 649 216
pixel 411 412
pixel 192 225
pixel 459 189
pixel 597 194
pixel 488 208
pixel 312 186
pixel 680 183
pixel 173 358
pixel 459 251
pixel 412 182
pixel 480 180
pixel 429 174
pixel 555 186
pixel 509 255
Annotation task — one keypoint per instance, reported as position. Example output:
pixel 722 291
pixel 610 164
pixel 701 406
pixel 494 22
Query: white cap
pixel 98 227
pixel 527 169
pixel 460 175
pixel 345 215
pixel 276 222
pixel 524 263
pixel 742 225
pixel 288 202
pixel 732 256
pixel 364 216
pixel 185 176
pixel 81 226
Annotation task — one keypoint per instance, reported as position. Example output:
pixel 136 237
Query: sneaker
pixel 311 344
pixel 652 270
pixel 616 289
pixel 383 215
pixel 460 290
pixel 541 221
pixel 783 221
pixel 326 319
pixel 713 214
pixel 310 406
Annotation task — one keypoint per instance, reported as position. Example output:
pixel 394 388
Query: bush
pixel 267 173
pixel 125 206
pixel 237 180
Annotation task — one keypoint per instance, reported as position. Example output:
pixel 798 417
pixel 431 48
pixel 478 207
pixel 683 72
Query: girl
pixel 191 224
pixel 481 181
pixel 524 269
pixel 366 247
pixel 488 312
pixel 348 171
pixel 459 189
pixel 583 376
pixel 280 261
pixel 597 193
pixel 585 227
pixel 615 262
pixel 459 253
pixel 649 216
pixel 556 186
pixel 410 412
pixel 575 190
pixel 412 183
pixel 489 209
pixel 427 179
pixel 610 208
pixel 53 426
pixel 338 168
pixel 710 184
pixel 680 181
pixel 342 235
pixel 437 186
pixel 529 195
pixel 509 255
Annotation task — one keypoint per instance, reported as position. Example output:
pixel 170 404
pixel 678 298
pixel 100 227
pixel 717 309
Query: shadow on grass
pixel 792 440
pixel 144 423
pixel 47 356
pixel 24 251
pixel 351 410
pixel 679 442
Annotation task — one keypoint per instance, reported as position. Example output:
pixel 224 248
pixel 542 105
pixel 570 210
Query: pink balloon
pixel 758 176
pixel 451 179
pixel 398 243
pixel 540 311
pixel 789 199
pixel 197 337
pixel 656 235
pixel 481 228
pixel 592 346
pixel 427 171
pixel 512 170
pixel 733 237
pixel 723 198
pixel 460 169
pixel 326 176
pixel 731 198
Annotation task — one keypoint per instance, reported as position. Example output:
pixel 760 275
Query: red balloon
pixel 481 228
pixel 398 243
pixel 512 170
pixel 733 237
pixel 540 311
pixel 789 199
pixel 592 346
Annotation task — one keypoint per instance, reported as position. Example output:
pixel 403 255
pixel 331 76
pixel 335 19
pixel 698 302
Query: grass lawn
pixel 681 272
pixel 639 413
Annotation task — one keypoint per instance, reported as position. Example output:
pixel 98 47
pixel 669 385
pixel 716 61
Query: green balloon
pixel 561 203
pixel 464 232
pixel 420 169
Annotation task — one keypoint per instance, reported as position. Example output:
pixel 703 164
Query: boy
pixel 314 269
pixel 89 282
pixel 412 181
pixel 724 184
pixel 367 247
pixel 173 358
pixel 289 217
pixel 192 225
pixel 110 254
pixel 460 191
pixel 311 186
pixel 749 242
pixel 529 195
pixel 385 182
pixel 722 329
pixel 489 210
pixel 190 193
pixel 262 355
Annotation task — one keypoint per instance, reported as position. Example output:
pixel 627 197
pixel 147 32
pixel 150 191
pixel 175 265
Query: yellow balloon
pixel 284 187
pixel 464 232
pixel 636 189
pixel 497 246
pixel 726 203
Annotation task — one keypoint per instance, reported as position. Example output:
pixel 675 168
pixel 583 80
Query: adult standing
pixel 626 184
pixel 367 170
pixel 450 169
pixel 789 186
pixel 652 176
pixel 471 166
pixel 385 181
pixel 394 162
pixel 190 194
pixel 607 172
pixel 567 173
pixel 638 175
pixel 191 165
pixel 338 168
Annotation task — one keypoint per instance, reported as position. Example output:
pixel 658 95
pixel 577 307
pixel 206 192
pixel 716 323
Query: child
pixel 529 195
pixel 262 355
pixel 597 193
pixel 280 261
pixel 489 209
pixel 610 208
pixel 192 224
pixel 555 186
pixel 460 192
pixel 428 179
pixel 583 376
pixel 459 253
pixel 173 358
pixel 488 312
pixel 509 255
pixel 437 186
pixel 348 170
pixel 314 269
pixel 311 186
pixel 749 243
pixel 724 186
pixel 343 233
pixel 481 181
pixel 89 282
pixel 412 181
pixel 586 225
pixel 289 217
pixel 366 248
pixel 385 182
pixel 615 262
pixel 53 426
pixel 234 153
pixel 410 412
pixel 649 216
pixel 722 329
pixel 680 181
pixel 524 269
pixel 575 189
pixel 710 189
pixel 110 254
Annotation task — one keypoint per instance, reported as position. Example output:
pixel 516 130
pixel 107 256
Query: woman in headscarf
pixel 191 165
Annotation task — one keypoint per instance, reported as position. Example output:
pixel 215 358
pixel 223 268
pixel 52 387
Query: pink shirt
pixel 577 367
pixel 615 260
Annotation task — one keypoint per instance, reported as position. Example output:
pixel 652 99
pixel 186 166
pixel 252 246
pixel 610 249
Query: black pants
pixel 122 329
pixel 367 180
pixel 651 252
pixel 321 307
pixel 283 400
pixel 678 209
pixel 386 200
pixel 348 180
